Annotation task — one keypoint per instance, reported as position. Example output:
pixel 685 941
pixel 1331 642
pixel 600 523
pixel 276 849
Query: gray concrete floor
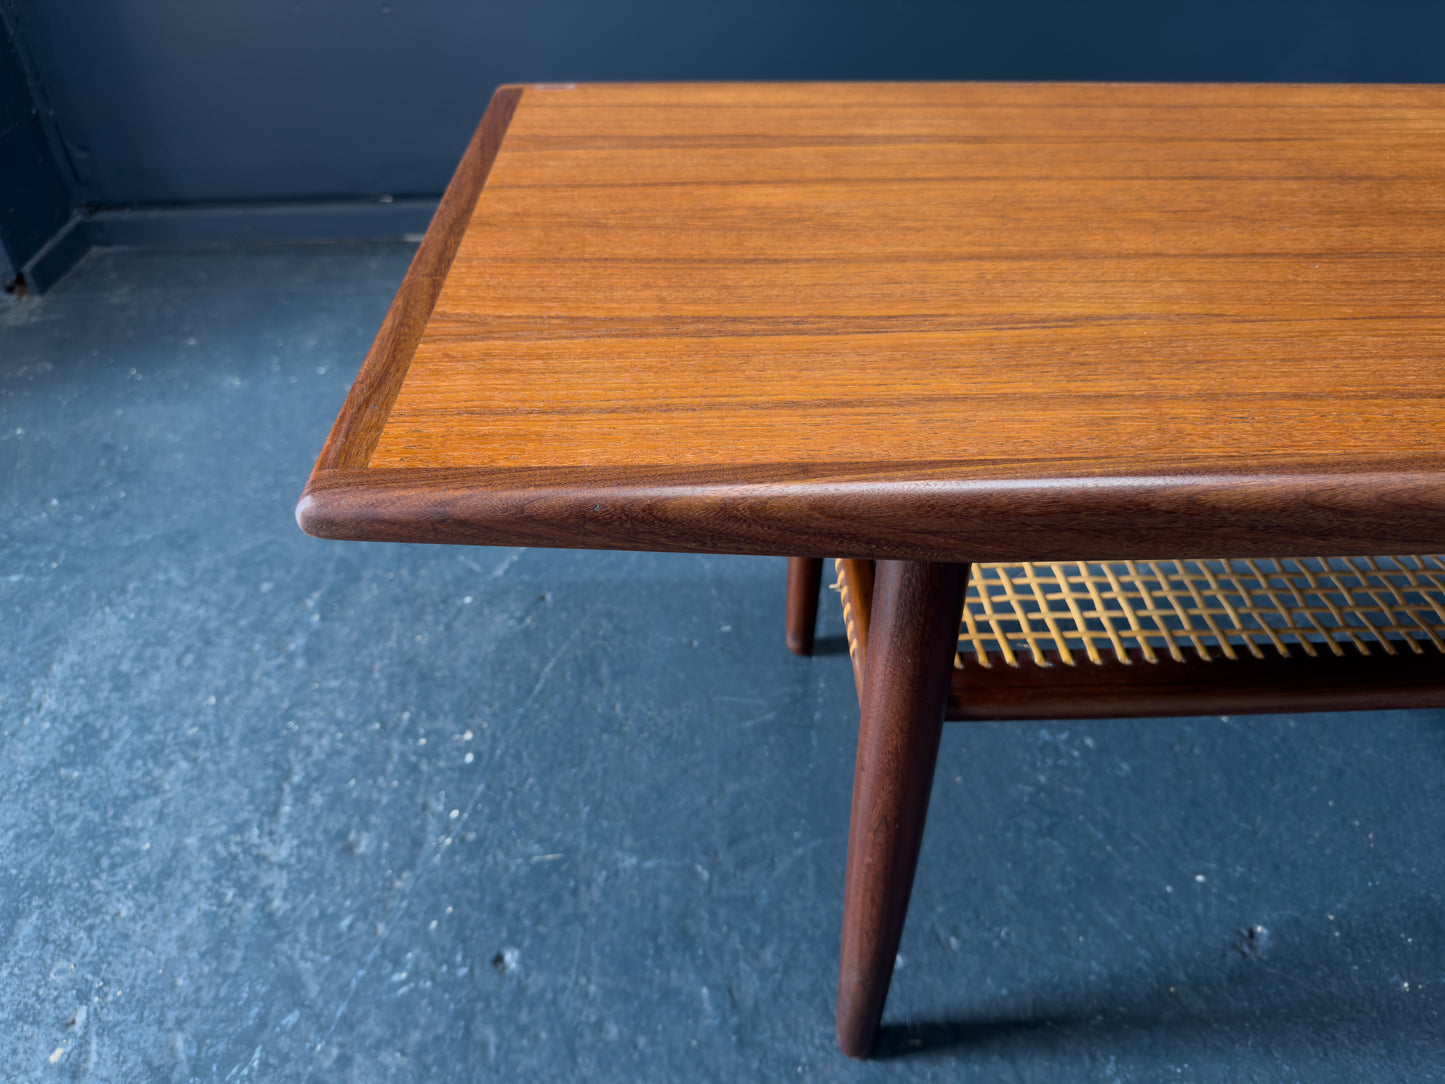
pixel 277 809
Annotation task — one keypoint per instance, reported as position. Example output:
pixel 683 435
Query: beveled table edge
pixel 947 512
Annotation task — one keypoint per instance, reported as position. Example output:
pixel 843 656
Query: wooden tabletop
pixel 973 321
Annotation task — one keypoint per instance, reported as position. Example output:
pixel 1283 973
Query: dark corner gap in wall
pixel 36 193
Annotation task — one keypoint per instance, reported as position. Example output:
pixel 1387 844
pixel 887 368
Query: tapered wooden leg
pixel 912 641
pixel 805 578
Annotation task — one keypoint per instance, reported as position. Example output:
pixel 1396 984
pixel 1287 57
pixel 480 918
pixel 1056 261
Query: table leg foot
pixel 914 635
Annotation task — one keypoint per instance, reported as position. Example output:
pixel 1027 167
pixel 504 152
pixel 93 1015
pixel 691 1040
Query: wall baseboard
pixel 220 224
pixel 58 255
pixel 228 223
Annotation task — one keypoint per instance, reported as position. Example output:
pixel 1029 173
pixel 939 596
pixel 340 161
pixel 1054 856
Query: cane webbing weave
pixel 1072 612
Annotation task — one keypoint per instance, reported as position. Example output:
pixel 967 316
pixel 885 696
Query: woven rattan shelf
pixel 1064 639
pixel 1147 610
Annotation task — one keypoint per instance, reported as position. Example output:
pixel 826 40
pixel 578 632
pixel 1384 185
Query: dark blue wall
pixel 178 101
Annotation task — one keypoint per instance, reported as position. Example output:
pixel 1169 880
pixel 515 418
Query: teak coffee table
pixel 1088 327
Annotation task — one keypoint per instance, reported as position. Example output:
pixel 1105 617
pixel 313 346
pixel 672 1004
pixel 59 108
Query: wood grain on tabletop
pixel 659 275
pixel 353 437
pixel 982 279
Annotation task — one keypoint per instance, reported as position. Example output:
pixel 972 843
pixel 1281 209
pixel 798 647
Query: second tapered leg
pixel 805 580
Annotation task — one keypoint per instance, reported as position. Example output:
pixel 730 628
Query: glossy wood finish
pixel 915 609
pixel 1119 320
pixel 805 580
pixel 894 512
pixel 1246 685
